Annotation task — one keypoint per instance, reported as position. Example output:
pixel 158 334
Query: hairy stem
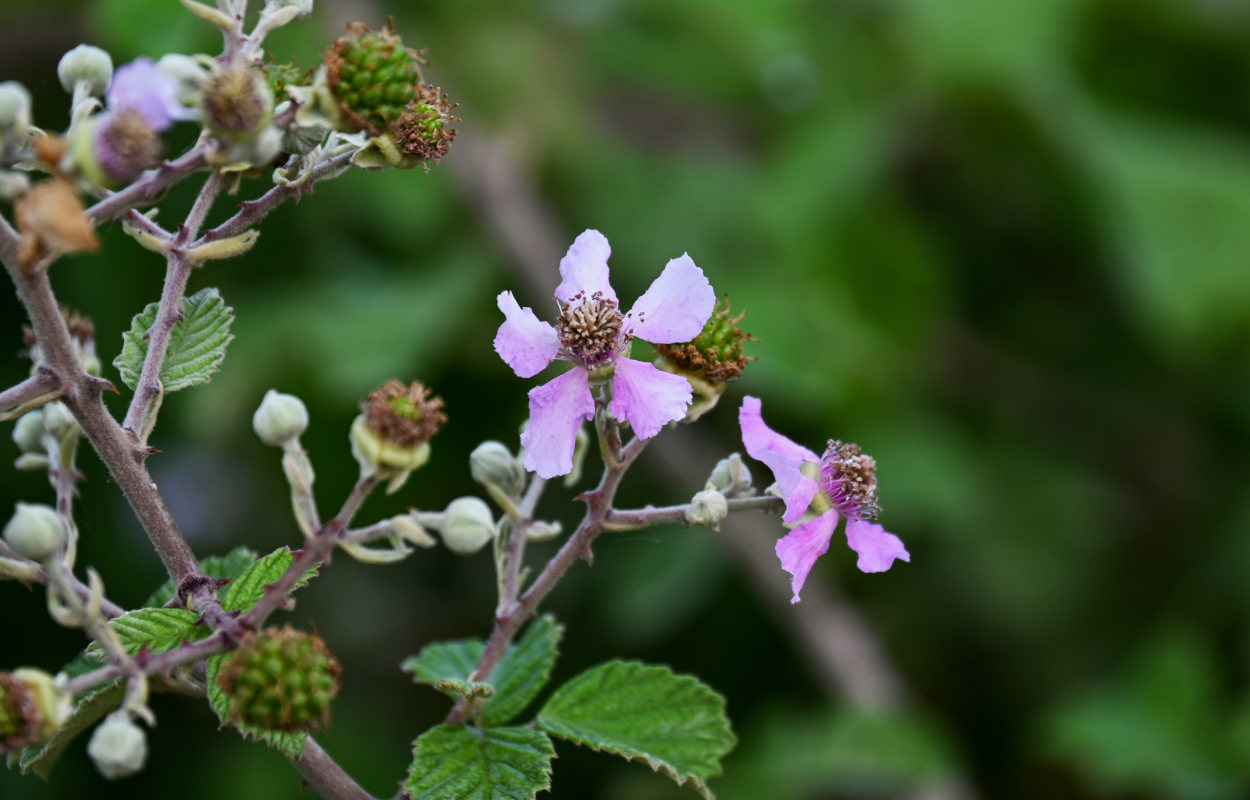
pixel 644 517
pixel 149 186
pixel 44 385
pixel 325 777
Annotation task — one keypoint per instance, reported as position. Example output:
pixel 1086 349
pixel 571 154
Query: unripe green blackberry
pixel 716 353
pixel 280 679
pixel 31 708
pixel 372 76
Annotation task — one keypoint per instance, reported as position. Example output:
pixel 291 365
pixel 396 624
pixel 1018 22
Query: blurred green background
pixel 1002 245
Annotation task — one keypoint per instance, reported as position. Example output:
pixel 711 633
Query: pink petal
pixel 757 437
pixel 877 548
pixel 557 409
pixel 676 306
pixel 524 342
pixel 584 268
pixel 799 549
pixel 647 397
pixel 796 488
pixel 141 86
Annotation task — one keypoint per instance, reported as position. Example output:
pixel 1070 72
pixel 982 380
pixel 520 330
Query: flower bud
pixel 467 525
pixel 35 532
pixel 114 147
pixel 58 421
pixel 237 103
pixel 280 418
pixel 491 463
pixel 32 707
pixel 188 74
pixel 118 747
pixel 86 64
pixel 707 508
pixel 731 477
pixel 14 111
pixel 28 432
pixel 280 679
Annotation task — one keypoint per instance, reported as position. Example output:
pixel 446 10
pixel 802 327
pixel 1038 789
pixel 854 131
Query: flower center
pixel 849 477
pixel 590 328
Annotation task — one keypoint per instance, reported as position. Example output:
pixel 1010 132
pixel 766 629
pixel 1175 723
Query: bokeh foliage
pixel 1003 245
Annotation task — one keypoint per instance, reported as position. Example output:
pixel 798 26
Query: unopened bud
pixel 58 421
pixel 491 463
pixel 118 747
pixel 731 477
pixel 280 418
pixel 14 110
pixel 35 532
pixel 707 508
pixel 86 64
pixel 28 432
pixel 237 103
pixel 467 525
pixel 189 74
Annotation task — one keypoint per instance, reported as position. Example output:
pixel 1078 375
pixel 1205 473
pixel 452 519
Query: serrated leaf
pixel 228 567
pixel 673 723
pixel 160 629
pixel 458 762
pixel 290 745
pixel 197 342
pixel 513 683
pixel 523 671
pixel 246 590
pixel 446 666
pixel 41 758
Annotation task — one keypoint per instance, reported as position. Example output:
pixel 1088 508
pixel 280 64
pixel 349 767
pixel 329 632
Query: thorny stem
pixel 151 664
pixel 644 517
pixel 577 547
pixel 141 416
pixel 43 385
pixel 149 186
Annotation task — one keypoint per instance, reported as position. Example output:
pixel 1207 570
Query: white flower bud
pixel 707 508
pixel 28 432
pixel 35 532
pixel 467 525
pixel 731 477
pixel 188 72
pixel 280 418
pixel 118 747
pixel 58 421
pixel 86 64
pixel 14 110
pixel 491 463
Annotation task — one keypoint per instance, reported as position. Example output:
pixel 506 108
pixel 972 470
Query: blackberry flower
pixel 593 334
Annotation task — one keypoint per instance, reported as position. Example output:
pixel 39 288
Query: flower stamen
pixel 590 329
pixel 849 477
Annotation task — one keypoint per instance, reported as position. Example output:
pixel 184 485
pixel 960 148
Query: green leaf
pixel 673 723
pixel 41 758
pixel 457 762
pixel 512 684
pixel 523 671
pixel 228 567
pixel 447 665
pixel 197 343
pixel 246 590
pixel 160 629
pixel 290 745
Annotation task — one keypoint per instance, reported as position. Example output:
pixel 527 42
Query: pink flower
pixel 593 334
pixel 843 481
pixel 142 87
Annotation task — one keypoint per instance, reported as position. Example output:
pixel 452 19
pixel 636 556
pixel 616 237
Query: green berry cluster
pixel 373 76
pixel 280 679
pixel 716 353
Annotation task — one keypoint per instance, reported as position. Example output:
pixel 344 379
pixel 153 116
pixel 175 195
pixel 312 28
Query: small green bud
pixel 731 477
pixel 280 418
pixel 58 421
pixel 467 526
pixel 14 111
pixel 118 747
pixel 707 508
pixel 86 64
pixel 491 463
pixel 35 532
pixel 28 432
pixel 280 679
pixel 32 707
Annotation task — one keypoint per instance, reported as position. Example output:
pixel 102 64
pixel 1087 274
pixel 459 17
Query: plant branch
pixel 10 240
pixel 149 186
pixel 325 777
pixel 645 517
pixel 36 390
pixel 152 664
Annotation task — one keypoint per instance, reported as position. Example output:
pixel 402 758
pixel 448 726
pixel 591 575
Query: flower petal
pixel 799 549
pixel 796 488
pixel 141 86
pixel 584 268
pixel 647 397
pixel 757 437
pixel 675 307
pixel 524 342
pixel 557 409
pixel 877 547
